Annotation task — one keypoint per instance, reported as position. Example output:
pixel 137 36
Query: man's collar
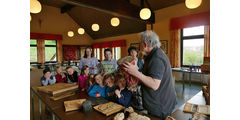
pixel 152 52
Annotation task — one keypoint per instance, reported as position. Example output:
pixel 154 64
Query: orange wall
pixel 56 23
pixel 161 26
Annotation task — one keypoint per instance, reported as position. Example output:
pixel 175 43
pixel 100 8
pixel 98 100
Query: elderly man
pixel 158 93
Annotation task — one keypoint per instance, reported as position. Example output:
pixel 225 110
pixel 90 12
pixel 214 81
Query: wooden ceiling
pixel 87 12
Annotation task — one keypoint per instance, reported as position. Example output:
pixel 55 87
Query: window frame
pixel 56 52
pixel 37 51
pixel 187 38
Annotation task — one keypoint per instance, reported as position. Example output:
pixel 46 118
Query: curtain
pixel 190 20
pixel 45 36
pixel 110 44
pixel 206 41
pixel 175 48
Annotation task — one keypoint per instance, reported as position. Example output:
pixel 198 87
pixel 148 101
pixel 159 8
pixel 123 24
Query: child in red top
pixel 60 76
pixel 82 79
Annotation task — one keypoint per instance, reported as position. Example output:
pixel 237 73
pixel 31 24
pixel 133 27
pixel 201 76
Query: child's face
pixel 47 75
pixel 121 84
pixel 109 82
pixel 86 72
pixel 59 70
pixel 70 71
pixel 98 79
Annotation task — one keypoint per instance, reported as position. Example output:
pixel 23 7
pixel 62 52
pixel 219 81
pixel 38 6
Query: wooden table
pixel 197 99
pixel 58 110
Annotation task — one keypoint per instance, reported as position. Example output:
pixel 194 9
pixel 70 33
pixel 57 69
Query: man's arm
pixel 148 81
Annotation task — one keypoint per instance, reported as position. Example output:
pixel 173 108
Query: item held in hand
pixel 109 108
pixel 131 81
pixel 73 104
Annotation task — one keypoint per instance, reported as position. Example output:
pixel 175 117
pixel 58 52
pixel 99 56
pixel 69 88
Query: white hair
pixel 151 38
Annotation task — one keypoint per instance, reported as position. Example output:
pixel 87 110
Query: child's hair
pixel 46 70
pixel 106 77
pixel 91 79
pixel 83 69
pixel 119 77
pixel 96 76
pixel 68 67
pixel 57 67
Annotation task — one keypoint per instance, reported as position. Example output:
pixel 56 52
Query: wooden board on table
pixel 73 104
pixel 63 95
pixel 109 108
pixel 57 88
pixel 193 108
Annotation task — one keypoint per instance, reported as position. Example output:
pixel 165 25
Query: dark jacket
pixel 72 78
pixel 125 98
pixel 140 63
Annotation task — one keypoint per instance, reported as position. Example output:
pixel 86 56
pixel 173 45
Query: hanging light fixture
pixel 191 4
pixel 70 33
pixel 115 21
pixel 35 6
pixel 145 13
pixel 81 31
pixel 95 27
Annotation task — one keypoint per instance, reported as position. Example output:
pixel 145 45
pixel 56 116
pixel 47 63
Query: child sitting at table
pixel 72 75
pixel 60 76
pixel 98 89
pixel 108 80
pixel 47 78
pixel 82 79
pixel 90 82
pixel 122 94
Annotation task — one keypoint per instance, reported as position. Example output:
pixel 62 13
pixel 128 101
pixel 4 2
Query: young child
pixel 90 82
pixel 123 95
pixel 72 75
pixel 108 80
pixel 82 79
pixel 60 76
pixel 47 78
pixel 98 89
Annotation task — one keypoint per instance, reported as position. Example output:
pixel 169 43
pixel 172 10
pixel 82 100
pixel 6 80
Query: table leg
pixel 40 109
pixel 32 105
pixel 183 81
pixel 190 78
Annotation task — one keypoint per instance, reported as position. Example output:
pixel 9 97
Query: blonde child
pixel 98 89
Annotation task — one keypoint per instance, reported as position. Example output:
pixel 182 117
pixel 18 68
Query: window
pixel 50 50
pixel 192 46
pixel 97 53
pixel 116 53
pixel 33 50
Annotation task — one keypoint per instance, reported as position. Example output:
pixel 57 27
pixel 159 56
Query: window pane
pixel 193 52
pixel 33 42
pixel 118 52
pixel 82 50
pixel 50 54
pixel 193 31
pixel 98 53
pixel 33 54
pixel 50 42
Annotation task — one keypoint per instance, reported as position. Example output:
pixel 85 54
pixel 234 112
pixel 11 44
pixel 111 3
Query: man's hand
pixel 130 68
pixel 117 92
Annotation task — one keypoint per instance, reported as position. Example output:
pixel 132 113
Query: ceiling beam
pixel 66 8
pixel 120 8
